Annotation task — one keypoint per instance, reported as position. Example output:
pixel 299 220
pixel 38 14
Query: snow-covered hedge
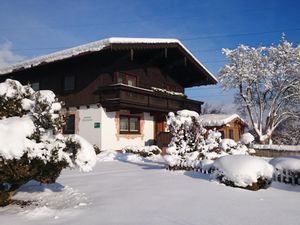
pixel 287 163
pixel 31 146
pixel 287 169
pixel 243 171
pixel 144 151
pixel 192 143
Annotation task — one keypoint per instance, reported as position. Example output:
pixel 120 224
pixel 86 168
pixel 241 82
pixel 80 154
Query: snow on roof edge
pixel 59 55
pixel 218 119
pixel 93 47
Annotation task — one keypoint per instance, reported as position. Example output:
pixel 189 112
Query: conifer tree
pixel 31 145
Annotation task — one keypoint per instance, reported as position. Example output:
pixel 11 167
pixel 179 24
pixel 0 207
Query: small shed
pixel 229 125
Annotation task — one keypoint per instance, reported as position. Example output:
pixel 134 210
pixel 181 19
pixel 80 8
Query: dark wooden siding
pixel 99 69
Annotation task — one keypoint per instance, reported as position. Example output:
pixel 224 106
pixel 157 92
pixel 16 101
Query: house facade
pixel 231 126
pixel 117 91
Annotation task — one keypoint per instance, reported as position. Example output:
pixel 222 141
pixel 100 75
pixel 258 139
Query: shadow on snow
pixel 34 186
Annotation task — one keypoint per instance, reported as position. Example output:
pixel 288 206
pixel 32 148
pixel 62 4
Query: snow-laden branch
pixel 268 79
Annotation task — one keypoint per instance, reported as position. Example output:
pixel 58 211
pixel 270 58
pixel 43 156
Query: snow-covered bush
pixel 232 148
pixel 192 143
pixel 287 163
pixel 243 171
pixel 247 139
pixel 31 146
pixel 144 151
pixel 287 169
pixel 188 139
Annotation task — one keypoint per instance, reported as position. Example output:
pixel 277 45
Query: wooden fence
pixel 282 176
pixel 287 176
pixel 276 150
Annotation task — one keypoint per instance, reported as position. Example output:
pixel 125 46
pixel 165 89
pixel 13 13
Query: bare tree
pixel 268 83
pixel 212 109
pixel 287 133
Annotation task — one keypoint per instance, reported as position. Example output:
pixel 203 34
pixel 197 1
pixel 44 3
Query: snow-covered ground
pixel 137 192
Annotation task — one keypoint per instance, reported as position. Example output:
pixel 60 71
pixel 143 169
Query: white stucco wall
pixel 86 121
pixel 107 136
pixel 111 139
pixel 148 129
pixel 108 130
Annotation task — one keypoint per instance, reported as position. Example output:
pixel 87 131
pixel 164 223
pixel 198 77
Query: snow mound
pixel 112 155
pixel 286 163
pixel 247 138
pixel 108 156
pixel 242 170
pixel 86 158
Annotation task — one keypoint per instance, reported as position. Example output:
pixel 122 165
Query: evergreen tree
pixel 31 145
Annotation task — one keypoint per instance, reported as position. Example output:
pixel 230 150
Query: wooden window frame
pixel 222 134
pixel 69 131
pixel 128 117
pixel 64 82
pixel 125 77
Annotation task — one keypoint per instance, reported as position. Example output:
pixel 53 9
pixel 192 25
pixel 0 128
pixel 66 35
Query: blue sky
pixel 32 28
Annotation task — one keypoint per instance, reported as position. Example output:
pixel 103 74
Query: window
pixel 231 134
pixel 123 78
pixel 35 86
pixel 222 134
pixel 129 125
pixel 69 83
pixel 69 127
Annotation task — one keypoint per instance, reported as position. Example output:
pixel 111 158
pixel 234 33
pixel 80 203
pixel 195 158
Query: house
pixel 229 125
pixel 117 91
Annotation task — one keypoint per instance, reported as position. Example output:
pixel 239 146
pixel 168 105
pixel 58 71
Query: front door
pixel 160 123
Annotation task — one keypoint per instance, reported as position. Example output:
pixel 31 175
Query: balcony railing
pixel 120 96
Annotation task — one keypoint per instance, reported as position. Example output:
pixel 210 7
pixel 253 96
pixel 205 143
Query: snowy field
pixel 137 192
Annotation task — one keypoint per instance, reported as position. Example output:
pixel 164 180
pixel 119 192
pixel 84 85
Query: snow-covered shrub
pixel 247 139
pixel 287 169
pixel 232 148
pixel 287 163
pixel 31 146
pixel 144 151
pixel 192 143
pixel 188 138
pixel 243 171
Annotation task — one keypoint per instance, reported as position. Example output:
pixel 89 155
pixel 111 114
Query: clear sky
pixel 30 28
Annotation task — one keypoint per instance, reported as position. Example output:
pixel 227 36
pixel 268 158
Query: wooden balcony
pixel 119 96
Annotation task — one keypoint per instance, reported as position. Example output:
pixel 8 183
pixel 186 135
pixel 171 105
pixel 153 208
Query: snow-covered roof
pixel 94 47
pixel 218 119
